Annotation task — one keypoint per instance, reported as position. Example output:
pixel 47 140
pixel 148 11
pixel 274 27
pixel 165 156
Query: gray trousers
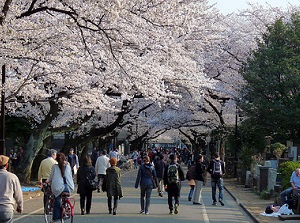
pixel 6 217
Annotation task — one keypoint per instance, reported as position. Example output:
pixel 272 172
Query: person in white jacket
pixel 10 192
pixel 61 180
pixel 101 165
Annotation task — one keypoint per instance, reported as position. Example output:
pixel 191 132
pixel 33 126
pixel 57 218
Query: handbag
pixel 91 182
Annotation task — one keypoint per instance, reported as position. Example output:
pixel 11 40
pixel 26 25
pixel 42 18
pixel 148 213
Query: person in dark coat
pixel 159 165
pixel 173 188
pixel 113 185
pixel 147 180
pixel 198 180
pixel 84 190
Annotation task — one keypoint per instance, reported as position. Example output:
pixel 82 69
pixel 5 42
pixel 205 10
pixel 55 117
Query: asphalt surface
pixel 241 205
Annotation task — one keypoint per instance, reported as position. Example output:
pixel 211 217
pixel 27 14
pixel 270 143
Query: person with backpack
pixel 198 179
pixel 147 180
pixel 172 181
pixel 85 173
pixel 216 169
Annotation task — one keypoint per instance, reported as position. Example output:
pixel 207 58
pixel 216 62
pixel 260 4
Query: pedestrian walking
pixel 295 184
pixel 85 173
pixel 147 180
pixel 94 156
pixel 45 169
pixel 134 157
pixel 190 176
pixel 217 170
pixel 159 165
pixel 101 165
pixel 172 180
pixel 10 192
pixel 205 163
pixel 198 180
pixel 113 185
pixel 114 154
pixel 61 180
pixel 72 158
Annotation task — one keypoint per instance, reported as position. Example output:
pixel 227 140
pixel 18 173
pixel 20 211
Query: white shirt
pixel 114 154
pixel 102 164
pixel 57 181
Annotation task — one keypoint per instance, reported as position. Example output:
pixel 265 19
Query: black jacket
pixel 83 186
pixel 199 171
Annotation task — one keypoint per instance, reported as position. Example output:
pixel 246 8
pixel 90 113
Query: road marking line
pixel 24 216
pixel 205 215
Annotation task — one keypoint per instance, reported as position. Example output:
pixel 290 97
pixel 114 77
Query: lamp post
pixel 236 141
pixel 2 127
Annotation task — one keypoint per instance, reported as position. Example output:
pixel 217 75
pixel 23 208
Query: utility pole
pixel 236 142
pixel 2 120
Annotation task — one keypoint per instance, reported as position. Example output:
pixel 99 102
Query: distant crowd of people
pixel 158 169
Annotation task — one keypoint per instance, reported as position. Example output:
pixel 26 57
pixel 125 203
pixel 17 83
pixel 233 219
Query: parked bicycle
pixel 67 205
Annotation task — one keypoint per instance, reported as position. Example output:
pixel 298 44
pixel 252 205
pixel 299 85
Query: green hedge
pixel 286 170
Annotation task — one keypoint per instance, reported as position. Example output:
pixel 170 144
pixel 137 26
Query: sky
pixel 229 6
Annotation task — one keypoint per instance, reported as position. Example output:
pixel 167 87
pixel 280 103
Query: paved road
pixel 128 211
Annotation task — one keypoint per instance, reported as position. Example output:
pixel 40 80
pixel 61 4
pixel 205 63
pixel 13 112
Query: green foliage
pixel 265 194
pixel 286 170
pixel 278 149
pixel 17 129
pixel 245 158
pixel 271 96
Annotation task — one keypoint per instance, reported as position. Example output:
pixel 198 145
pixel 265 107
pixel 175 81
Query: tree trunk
pixel 35 143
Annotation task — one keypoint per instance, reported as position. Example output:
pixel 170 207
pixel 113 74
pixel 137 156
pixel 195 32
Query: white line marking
pixel 24 216
pixel 204 214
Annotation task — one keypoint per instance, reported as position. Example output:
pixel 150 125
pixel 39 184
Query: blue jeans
pixel 191 191
pixel 57 206
pixel 285 195
pixel 214 184
pixel 146 193
pixel 135 163
pixel 7 216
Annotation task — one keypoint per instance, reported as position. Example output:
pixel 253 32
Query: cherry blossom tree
pixel 63 57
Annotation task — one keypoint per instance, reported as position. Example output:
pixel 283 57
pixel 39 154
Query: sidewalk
pixel 249 201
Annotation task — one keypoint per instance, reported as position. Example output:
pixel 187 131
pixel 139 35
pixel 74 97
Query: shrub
pixel 286 170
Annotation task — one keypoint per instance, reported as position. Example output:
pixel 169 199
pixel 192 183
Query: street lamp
pixel 236 141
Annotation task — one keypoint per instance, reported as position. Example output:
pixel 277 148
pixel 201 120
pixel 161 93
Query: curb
pixel 242 206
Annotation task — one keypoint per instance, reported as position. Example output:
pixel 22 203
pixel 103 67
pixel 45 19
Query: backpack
pixel 173 176
pixel 217 169
pixel 191 173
